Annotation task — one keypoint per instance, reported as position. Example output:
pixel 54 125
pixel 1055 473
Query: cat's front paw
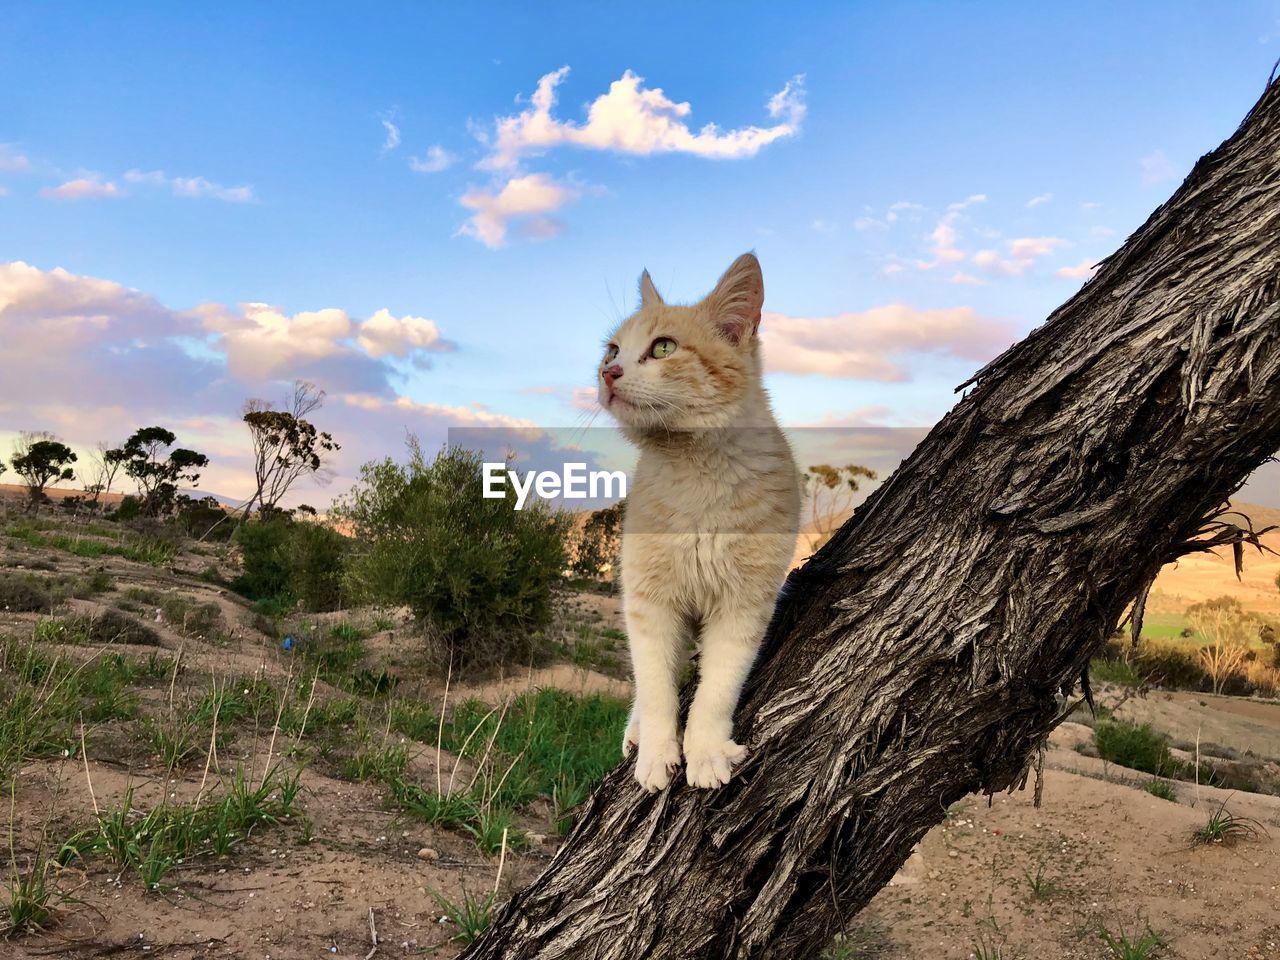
pixel 631 738
pixel 709 763
pixel 656 763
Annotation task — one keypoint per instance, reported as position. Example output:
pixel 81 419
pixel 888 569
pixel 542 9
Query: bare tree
pixel 925 652
pixel 831 492
pixel 105 462
pixel 286 446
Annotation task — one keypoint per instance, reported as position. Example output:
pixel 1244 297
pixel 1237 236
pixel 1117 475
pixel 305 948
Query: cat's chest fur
pixel 704 518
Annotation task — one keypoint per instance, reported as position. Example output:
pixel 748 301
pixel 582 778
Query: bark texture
pixel 921 654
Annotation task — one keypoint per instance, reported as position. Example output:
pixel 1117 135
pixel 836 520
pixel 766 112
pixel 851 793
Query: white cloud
pixel 824 226
pixel 1022 255
pixel 969 201
pixel 1081 271
pixel 1040 200
pixel 392 138
pixel 11 161
pixel 530 200
pixel 476 415
pixel 1034 247
pixel 196 187
pixel 967 279
pixel 83 188
pixel 263 342
pixel 436 159
pixel 945 237
pixel 875 344
pixel 1156 168
pixel 384 334
pixel 903 208
pixel 636 120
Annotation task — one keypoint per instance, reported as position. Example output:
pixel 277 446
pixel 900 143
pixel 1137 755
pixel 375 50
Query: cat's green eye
pixel 611 354
pixel 662 347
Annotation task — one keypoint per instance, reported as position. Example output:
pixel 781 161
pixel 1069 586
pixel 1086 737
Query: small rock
pixel 953 853
pixel 428 853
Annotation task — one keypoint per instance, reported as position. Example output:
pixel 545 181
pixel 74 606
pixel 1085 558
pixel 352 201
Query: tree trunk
pixel 921 654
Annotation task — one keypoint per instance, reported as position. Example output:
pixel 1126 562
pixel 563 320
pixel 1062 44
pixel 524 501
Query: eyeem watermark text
pixel 573 482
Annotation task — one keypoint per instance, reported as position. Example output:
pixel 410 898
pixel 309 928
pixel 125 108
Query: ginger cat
pixel 711 518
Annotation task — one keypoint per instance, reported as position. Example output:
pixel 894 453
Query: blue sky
pixel 932 179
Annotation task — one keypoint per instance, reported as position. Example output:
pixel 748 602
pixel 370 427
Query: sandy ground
pixel 1108 854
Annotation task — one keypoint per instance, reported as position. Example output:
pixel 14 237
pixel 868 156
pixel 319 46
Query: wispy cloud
pixel 636 120
pixel 83 188
pixel 1081 271
pixel 530 201
pixel 11 161
pixel 1156 168
pixel 436 159
pixel 1020 256
pixel 1039 201
pixel 392 138
pixel 878 344
pixel 945 237
pixel 196 187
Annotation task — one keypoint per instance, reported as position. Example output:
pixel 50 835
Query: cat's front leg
pixel 655 632
pixel 730 639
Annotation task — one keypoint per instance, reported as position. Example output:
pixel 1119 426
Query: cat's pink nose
pixel 611 374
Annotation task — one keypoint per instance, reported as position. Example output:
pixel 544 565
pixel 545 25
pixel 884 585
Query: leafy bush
pixel 288 561
pixel 203 519
pixel 262 547
pixel 316 554
pixel 1138 747
pixel 476 569
pixel 1135 747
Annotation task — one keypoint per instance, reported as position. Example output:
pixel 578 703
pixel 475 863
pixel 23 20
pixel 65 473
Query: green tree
pixel 480 572
pixel 286 446
pixel 157 470
pixel 39 460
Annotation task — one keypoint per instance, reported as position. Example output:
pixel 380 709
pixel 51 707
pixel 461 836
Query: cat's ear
pixel 736 301
pixel 649 296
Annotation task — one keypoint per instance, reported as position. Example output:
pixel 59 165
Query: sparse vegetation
pixel 1122 947
pixel 1225 828
pixel 471 915
pixel 1161 788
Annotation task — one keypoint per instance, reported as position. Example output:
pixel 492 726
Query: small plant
pixel 982 950
pixel 1123 948
pixel 28 901
pixel 449 809
pixel 1042 888
pixel 1161 788
pixel 383 762
pixel 566 796
pixel 1225 828
pixel 471 916
pixel 173 738
pixel 492 827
